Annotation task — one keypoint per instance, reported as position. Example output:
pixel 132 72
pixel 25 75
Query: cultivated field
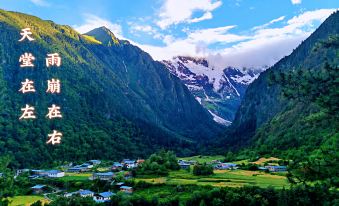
pixel 221 178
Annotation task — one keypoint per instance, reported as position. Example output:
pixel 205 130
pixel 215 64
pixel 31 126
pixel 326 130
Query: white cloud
pixel 213 35
pixel 260 46
pixel 269 23
pixel 143 28
pixel 92 22
pixel 309 16
pixel 195 44
pixel 40 2
pixel 135 29
pixel 206 16
pixel 178 11
pixel 268 45
pixel 296 1
pixel 257 52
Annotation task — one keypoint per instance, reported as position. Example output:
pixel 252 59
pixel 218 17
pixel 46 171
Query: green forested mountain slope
pixel 269 120
pixel 115 100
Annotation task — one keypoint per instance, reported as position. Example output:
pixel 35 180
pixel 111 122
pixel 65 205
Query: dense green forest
pixel 115 100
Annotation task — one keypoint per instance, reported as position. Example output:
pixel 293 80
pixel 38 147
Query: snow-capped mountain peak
pixel 218 89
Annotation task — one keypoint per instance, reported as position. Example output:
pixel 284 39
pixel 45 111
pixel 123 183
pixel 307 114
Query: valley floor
pixel 167 186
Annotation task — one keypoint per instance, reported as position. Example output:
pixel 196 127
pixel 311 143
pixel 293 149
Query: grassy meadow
pixel 26 200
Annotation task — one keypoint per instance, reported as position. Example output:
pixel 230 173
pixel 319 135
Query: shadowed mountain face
pixel 219 90
pixel 114 98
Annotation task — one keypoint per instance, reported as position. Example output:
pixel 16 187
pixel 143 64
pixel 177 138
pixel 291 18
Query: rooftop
pixel 126 187
pixel 54 171
pixel 104 173
pixel 38 187
pixel 85 192
pixel 106 194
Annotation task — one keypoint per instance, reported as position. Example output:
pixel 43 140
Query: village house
pixel 55 173
pixel 140 161
pixel 276 168
pixel 82 193
pixel 87 165
pixel 184 165
pixel 119 184
pixel 129 163
pixel 103 197
pixel 226 166
pixel 215 162
pixel 262 168
pixel 21 171
pixel 70 194
pixel 47 173
pixel 76 169
pixel 38 189
pixel 103 176
pixel 86 193
pixel 79 168
pixel 126 189
pixel 190 162
pixel 95 162
pixel 39 173
pixel 117 166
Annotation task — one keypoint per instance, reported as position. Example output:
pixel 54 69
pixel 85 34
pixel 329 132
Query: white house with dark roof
pixel 86 193
pixel 129 163
pixel 55 173
pixel 103 197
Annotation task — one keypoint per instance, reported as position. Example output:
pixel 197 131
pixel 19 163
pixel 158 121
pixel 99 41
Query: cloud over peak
pixel 262 45
pixel 178 11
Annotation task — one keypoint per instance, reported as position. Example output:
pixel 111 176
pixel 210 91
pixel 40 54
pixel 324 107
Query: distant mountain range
pixel 219 90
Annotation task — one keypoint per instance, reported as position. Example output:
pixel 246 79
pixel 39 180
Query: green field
pixel 26 200
pixel 203 159
pixel 221 178
pixel 76 176
pixel 163 191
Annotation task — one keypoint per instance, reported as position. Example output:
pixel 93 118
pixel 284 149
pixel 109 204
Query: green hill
pixel 115 100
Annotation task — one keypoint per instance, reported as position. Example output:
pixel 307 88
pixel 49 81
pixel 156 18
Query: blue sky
pixel 250 33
